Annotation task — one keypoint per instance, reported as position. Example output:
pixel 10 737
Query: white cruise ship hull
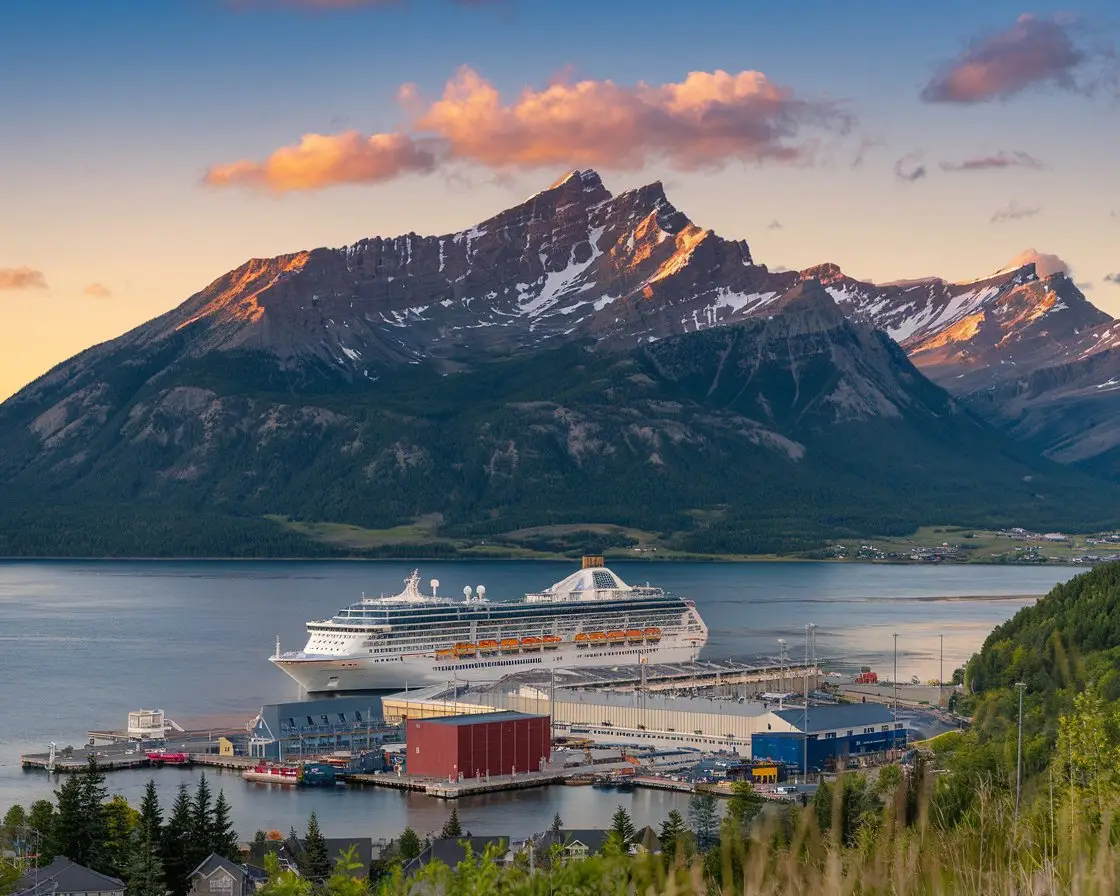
pixel 317 674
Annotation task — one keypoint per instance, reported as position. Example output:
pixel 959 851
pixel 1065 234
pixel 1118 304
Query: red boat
pixel 267 773
pixel 161 757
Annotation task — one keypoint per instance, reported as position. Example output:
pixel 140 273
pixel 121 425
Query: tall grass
pixel 989 853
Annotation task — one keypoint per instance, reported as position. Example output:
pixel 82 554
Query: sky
pixel 148 147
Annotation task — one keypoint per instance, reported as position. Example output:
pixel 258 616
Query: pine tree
pixel 623 826
pixel 67 836
pixel 201 825
pixel 151 815
pixel 557 824
pixel 94 828
pixel 145 875
pixel 451 827
pixel 314 863
pixel 410 846
pixel 223 838
pixel 672 829
pixel 746 804
pixel 702 815
pixel 175 844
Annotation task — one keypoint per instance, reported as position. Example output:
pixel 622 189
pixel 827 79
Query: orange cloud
pixel 706 120
pixel 97 291
pixel 1032 51
pixel 322 160
pixel 1045 263
pixel 22 278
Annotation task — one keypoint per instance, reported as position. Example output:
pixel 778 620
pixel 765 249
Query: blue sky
pixel 114 113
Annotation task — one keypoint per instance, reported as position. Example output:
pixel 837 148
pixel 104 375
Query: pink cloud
pixel 705 121
pixel 1033 51
pixel 323 160
pixel 1045 263
pixel 1014 159
pixel 22 278
pixel 97 291
pixel 1014 211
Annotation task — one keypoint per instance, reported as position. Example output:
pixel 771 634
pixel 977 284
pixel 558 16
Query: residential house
pixel 453 850
pixel 218 876
pixel 573 843
pixel 65 878
pixel 289 850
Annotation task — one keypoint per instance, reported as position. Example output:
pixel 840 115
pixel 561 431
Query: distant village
pixel 1023 546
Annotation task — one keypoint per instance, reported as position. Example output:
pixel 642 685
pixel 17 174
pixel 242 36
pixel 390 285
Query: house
pixel 218 876
pixel 573 843
pixel 65 878
pixel 646 840
pixel 453 850
pixel 289 850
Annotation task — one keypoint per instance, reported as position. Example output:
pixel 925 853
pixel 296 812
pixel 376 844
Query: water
pixel 82 643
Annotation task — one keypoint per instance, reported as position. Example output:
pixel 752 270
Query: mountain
pixel 578 361
pixel 1030 354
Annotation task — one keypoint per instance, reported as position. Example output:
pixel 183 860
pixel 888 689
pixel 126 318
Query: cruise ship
pixel 590 618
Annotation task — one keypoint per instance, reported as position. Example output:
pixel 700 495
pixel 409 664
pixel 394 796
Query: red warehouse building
pixel 495 743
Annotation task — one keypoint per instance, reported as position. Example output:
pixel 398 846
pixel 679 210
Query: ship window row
pixel 518 611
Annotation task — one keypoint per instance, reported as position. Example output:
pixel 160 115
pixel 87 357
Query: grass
pixel 984 546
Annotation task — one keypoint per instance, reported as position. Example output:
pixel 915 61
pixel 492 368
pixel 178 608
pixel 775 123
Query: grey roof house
pixel 65 878
pixel 453 850
pixel 218 876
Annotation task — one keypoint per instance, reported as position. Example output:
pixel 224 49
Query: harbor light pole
pixel 941 674
pixel 894 677
pixel 1021 686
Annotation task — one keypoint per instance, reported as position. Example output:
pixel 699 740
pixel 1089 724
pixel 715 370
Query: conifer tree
pixel 145 875
pixel 94 829
pixel 175 843
pixel 672 829
pixel 451 827
pixel 43 819
pixel 67 835
pixel 409 846
pixel 314 863
pixel 151 815
pixel 201 824
pixel 120 830
pixel 557 824
pixel 223 838
pixel 623 826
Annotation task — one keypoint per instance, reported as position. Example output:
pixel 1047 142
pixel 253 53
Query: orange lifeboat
pixel 598 638
pixel 510 645
pixel 581 639
pixel 616 636
pixel 652 634
pixel 445 654
pixel 465 648
pixel 634 635
pixel 551 642
pixel 488 646
pixel 530 643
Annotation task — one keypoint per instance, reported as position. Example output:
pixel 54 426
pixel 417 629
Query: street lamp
pixel 1021 686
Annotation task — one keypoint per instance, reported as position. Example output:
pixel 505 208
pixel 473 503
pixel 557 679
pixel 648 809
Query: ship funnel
pixel 592 562
pixel 481 589
pixel 467 592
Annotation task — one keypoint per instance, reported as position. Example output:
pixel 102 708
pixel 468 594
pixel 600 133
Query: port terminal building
pixel 306 728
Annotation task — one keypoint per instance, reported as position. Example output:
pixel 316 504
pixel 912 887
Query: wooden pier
pixel 453 790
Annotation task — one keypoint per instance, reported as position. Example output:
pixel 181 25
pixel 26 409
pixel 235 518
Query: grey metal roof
pixel 214 861
pixel 632 699
pixel 63 876
pixel 480 718
pixel 452 850
pixel 831 718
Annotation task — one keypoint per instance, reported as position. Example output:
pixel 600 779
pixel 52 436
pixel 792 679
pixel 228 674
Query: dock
pixel 657 783
pixel 453 790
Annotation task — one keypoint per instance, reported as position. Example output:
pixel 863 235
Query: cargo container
pixel 476 745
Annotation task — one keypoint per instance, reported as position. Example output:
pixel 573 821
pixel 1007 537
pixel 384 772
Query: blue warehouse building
pixel 828 736
pixel 291 731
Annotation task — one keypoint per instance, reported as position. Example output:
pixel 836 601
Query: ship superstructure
pixel 590 618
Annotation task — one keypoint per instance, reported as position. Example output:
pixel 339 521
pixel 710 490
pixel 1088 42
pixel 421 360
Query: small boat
pixel 445 654
pixel 582 639
pixel 616 636
pixel 653 634
pixel 634 635
pixel 579 780
pixel 530 643
pixel 551 642
pixel 465 648
pixel 488 647
pixel 510 645
pixel 268 773
pixel 598 638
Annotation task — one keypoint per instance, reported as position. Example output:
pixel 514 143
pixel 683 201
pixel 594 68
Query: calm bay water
pixel 82 643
